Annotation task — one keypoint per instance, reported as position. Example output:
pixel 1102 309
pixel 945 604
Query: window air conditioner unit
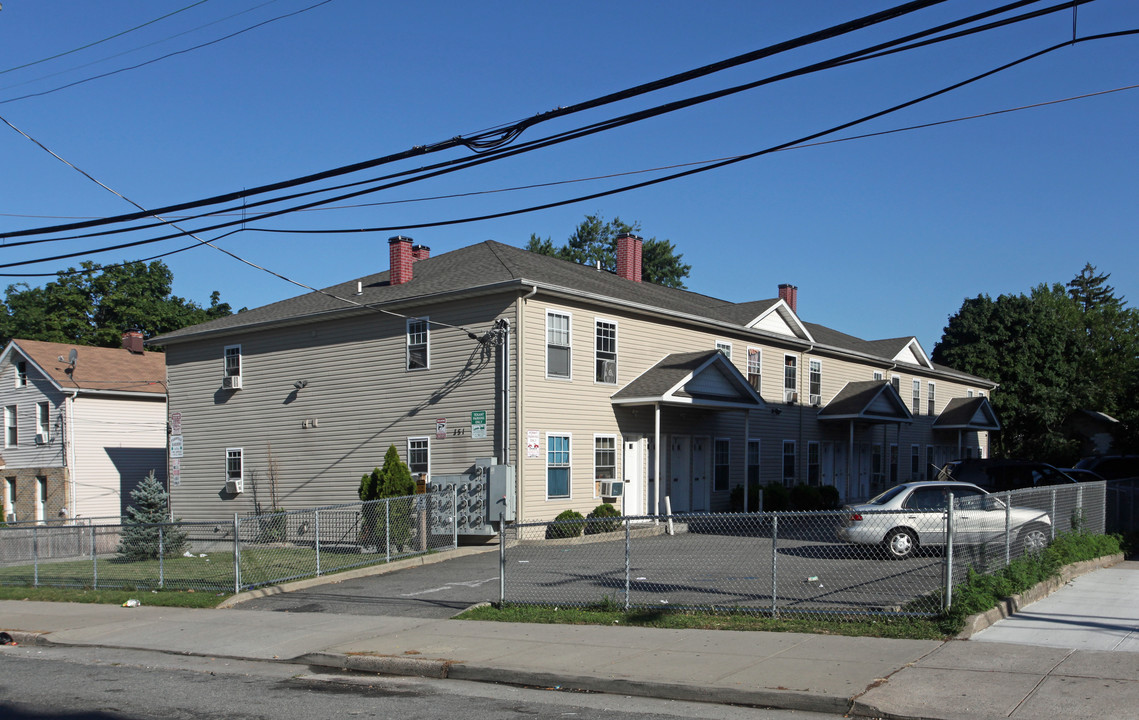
pixel 235 486
pixel 790 397
pixel 612 488
pixel 41 439
pixel 816 400
pixel 231 382
pixel 10 517
pixel 609 371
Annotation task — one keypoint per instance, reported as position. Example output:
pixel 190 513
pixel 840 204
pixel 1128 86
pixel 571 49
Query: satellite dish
pixel 73 357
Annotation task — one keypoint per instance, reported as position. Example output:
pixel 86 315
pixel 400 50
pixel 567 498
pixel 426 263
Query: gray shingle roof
pixel 490 263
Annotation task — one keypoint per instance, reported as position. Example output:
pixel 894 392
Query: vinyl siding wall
pixel 581 407
pixel 358 392
pixel 117 442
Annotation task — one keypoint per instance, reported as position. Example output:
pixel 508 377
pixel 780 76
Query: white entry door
pixel 632 466
pixel 701 469
pixel 680 473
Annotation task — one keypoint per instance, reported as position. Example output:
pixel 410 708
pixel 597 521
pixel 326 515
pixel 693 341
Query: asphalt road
pixel 37 683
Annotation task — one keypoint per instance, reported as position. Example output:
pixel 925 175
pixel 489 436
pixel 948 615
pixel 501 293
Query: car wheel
pixel 1033 538
pixel 900 543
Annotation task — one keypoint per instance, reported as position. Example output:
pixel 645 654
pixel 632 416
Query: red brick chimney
pixel 629 257
pixel 790 294
pixel 420 252
pixel 132 340
pixel 402 258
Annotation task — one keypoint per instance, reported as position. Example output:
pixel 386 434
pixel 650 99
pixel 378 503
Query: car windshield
pixel 887 496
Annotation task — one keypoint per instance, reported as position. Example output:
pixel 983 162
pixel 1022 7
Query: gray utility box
pixel 473 500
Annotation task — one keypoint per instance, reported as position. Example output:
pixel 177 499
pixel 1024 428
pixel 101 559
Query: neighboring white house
pixel 82 427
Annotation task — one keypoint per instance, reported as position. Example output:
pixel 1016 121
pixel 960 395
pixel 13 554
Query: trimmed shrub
pixel 393 480
pixel 568 523
pixel 776 498
pixel 736 498
pixel 806 497
pixel 604 518
pixel 830 497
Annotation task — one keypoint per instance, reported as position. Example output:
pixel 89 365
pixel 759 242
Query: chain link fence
pixel 227 556
pixel 786 562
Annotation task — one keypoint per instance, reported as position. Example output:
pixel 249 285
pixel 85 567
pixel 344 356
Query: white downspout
pixel 69 448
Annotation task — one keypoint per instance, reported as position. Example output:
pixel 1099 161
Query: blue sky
pixel 884 236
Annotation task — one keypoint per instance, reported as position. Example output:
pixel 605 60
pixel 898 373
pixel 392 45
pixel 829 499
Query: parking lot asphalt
pixel 437 590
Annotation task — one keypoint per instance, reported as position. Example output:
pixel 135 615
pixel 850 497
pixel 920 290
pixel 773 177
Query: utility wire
pixel 647 183
pixel 166 56
pixel 106 39
pixel 480 141
pixel 464 163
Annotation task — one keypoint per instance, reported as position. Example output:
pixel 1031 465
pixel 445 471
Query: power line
pixel 483 140
pixel 464 163
pixel 106 39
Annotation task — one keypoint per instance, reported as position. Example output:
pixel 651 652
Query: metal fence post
pixel 627 549
pixel 774 563
pixel 501 556
pixel 94 562
pixel 388 529
pixel 35 556
pixel 161 559
pixel 947 601
pixel 316 529
pixel 236 554
pixel 1008 528
pixel 455 516
pixel 1053 515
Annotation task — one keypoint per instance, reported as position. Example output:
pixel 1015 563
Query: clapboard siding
pixel 358 392
pixel 581 407
pixel 118 442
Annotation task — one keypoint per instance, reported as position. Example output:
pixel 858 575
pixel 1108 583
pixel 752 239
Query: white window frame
pixel 814 449
pixel 783 477
pixel 568 465
pixel 915 462
pixel 41 499
pixel 226 355
pixel 815 381
pixel 597 351
pixel 568 346
pixel 758 460
pixel 409 344
pixel 916 396
pixel 716 464
pixel 11 426
pixel 426 440
pixel 755 368
pixel 931 408
pixel 21 373
pixel 794 365
pixel 240 455
pixel 878 375
pixel 725 347
pixel 43 418
pixel 896 381
pixel 9 498
pixel 927 471
pixel 596 475
pixel 969 392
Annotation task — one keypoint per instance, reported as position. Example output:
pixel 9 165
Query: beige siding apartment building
pixel 586 381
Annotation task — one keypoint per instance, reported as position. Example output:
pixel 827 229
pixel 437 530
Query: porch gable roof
pixel 975 413
pixel 868 400
pixel 696 379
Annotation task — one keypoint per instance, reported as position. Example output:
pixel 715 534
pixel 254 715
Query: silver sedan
pixel 913 515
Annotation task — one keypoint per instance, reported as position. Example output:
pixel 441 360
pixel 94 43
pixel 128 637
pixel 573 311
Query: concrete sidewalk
pixel 869 677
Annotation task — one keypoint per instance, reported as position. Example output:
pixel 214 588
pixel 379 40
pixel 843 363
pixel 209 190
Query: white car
pixel 912 515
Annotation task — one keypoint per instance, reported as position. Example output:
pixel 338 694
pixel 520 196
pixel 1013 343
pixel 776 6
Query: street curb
pixel 1010 605
pixel 448 669
pixel 369 571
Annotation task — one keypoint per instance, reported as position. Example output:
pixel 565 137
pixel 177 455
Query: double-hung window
pixel 604 458
pixel 721 463
pixel 754 367
pixel 11 428
pixel 557 345
pixel 813 473
pixel 724 347
pixel 233 361
pixel 417 344
pixel 915 462
pixel 21 373
pixel 234 466
pixel 43 420
pixel 929 399
pixel 419 456
pixel 917 396
pixel 557 466
pixel 790 378
pixel 752 463
pixel 788 462
pixel 815 379
pixel 896 381
pixel 605 349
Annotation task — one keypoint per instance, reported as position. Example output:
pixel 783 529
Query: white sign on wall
pixel 533 449
pixel 175 446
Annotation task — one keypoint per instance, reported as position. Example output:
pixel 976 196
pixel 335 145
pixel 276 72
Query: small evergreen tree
pixel 393 480
pixel 140 535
